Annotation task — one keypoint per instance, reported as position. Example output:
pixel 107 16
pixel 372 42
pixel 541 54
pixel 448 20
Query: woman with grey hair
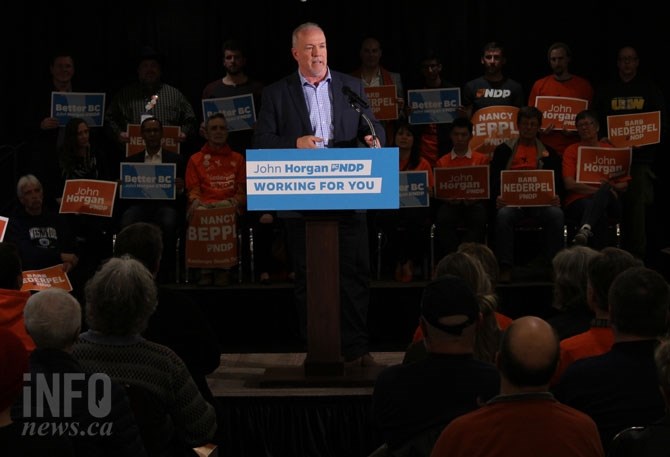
pixel 53 319
pixel 120 298
pixel 570 313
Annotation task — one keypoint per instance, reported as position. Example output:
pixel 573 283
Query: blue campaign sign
pixel 413 188
pixel 239 111
pixel 148 181
pixel 88 106
pixel 314 179
pixel 433 106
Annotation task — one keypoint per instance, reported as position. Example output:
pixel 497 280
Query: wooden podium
pixel 324 365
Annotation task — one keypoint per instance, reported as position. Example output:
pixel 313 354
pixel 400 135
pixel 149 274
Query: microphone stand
pixel 354 105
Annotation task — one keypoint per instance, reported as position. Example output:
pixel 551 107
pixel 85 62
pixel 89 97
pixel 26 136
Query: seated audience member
pixel 216 177
pixel 526 153
pixel 81 158
pixel 42 235
pixel 405 228
pixel 526 361
pixel 13 442
pixel 12 299
pixel 570 313
pixel 452 214
pixel 53 319
pixel 188 334
pixel 602 269
pixel 488 337
pixel 619 388
pixel 487 257
pixel 590 205
pixel 654 439
pixel 412 402
pixel 120 299
pixel 167 214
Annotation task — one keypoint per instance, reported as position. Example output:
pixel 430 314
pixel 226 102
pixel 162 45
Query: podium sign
pixel 322 179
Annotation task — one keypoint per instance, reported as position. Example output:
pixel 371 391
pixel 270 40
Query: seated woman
pixel 406 227
pixel 215 178
pixel 590 204
pixel 120 298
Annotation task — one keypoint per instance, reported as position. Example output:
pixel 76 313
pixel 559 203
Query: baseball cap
pixel 449 296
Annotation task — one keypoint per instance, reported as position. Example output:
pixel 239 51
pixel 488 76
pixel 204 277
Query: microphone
pixel 354 98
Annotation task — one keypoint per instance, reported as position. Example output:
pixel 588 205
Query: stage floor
pixel 239 375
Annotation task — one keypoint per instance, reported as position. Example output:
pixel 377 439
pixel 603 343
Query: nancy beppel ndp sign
pixel 314 179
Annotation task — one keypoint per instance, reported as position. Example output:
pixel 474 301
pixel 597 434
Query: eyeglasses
pixel 430 66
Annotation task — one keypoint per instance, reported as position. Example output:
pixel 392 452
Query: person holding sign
pixel 590 204
pixel 452 214
pixel 81 158
pixel 633 93
pixel 45 134
pixel 147 97
pixel 308 110
pixel 433 138
pixel 216 177
pixel 43 237
pixel 406 227
pixel 526 153
pixel 167 214
pixel 561 84
pixel 235 82
pixel 373 74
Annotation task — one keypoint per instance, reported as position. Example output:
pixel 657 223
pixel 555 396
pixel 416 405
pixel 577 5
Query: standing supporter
pixel 561 83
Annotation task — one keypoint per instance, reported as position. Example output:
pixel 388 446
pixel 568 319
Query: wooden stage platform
pixel 257 330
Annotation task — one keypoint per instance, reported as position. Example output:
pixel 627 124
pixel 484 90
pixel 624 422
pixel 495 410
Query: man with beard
pixel 149 96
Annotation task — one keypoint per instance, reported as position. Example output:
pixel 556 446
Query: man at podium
pixel 312 108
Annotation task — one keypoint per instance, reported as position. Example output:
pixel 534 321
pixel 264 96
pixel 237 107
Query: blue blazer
pixel 284 117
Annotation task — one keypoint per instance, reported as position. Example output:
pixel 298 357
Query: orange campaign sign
pixel 493 125
pixel 595 165
pixel 3 227
pixel 639 129
pixel 211 240
pixel 462 183
pixel 383 102
pixel 46 278
pixel 560 111
pixel 527 187
pixel 170 140
pixel 88 196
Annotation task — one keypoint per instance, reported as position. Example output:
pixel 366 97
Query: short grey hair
pixel 120 297
pixel 24 181
pixel 52 318
pixel 300 28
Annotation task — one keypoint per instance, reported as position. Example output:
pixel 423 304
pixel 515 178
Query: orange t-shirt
pixel 575 87
pixel 525 158
pixel 422 166
pixel 475 158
